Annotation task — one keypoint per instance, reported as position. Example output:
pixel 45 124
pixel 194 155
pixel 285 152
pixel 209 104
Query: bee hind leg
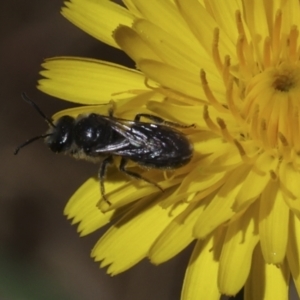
pixel 101 175
pixel 135 175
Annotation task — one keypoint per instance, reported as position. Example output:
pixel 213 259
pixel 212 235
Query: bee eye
pixel 61 135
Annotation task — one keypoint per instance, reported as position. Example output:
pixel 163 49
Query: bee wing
pixel 112 147
pixel 131 134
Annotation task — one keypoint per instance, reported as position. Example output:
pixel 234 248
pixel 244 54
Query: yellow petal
pixel 293 204
pixel 293 250
pixel 207 183
pixel 236 256
pixel 125 108
pixel 200 281
pixel 187 115
pixel 133 44
pixel 170 77
pixel 273 224
pixel 166 47
pixel 82 207
pixel 255 182
pixel 289 180
pixel 165 14
pixel 128 190
pixel 256 17
pixel 89 81
pixel 210 182
pixel 99 18
pixel 131 7
pixel 177 235
pixel 265 281
pixel 129 240
pixel 291 14
pixel 256 14
pixel 74 112
pixel 192 12
pixel 224 13
pixel 222 156
pixel 219 210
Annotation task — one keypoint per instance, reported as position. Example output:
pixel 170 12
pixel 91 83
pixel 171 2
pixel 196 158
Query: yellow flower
pixel 232 68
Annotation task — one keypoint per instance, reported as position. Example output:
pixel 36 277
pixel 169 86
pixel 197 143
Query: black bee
pixel 98 138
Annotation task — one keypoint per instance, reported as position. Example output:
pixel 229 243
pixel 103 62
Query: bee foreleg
pixel 101 175
pixel 123 169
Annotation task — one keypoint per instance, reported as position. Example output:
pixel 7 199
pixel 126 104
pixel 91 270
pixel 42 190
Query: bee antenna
pixel 28 100
pixel 30 141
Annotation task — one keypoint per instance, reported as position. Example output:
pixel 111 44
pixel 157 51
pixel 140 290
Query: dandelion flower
pixel 233 69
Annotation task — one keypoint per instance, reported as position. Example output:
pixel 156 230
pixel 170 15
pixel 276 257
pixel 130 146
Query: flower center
pixel 285 79
pixel 271 107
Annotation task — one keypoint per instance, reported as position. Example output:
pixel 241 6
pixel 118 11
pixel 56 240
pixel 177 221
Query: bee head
pixel 60 136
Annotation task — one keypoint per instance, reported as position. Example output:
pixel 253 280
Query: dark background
pixel 41 255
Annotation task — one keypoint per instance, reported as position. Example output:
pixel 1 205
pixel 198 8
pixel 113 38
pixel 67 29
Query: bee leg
pixel 123 169
pixel 159 120
pixel 101 175
pixel 112 108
